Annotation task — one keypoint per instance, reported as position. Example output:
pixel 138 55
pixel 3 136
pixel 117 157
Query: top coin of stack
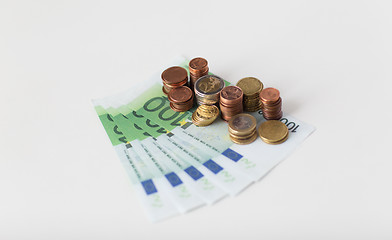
pixel 181 99
pixel 173 77
pixel 271 104
pixel 208 88
pixel 198 67
pixel 205 115
pixel 273 132
pixel 251 87
pixel 230 102
pixel 242 128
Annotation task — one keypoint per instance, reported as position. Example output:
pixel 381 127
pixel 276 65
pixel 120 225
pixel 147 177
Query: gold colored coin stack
pixel 205 115
pixel 242 128
pixel 251 87
pixel 273 132
pixel 207 89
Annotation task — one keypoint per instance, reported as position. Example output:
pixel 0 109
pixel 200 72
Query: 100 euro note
pixel 191 173
pixel 154 200
pixel 146 108
pixel 179 188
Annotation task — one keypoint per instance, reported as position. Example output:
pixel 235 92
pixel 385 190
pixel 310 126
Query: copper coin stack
pixel 181 99
pixel 271 104
pixel 231 102
pixel 173 77
pixel 198 67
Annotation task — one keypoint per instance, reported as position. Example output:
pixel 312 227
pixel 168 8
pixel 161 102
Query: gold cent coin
pixel 205 115
pixel 278 142
pixel 273 132
pixel 250 85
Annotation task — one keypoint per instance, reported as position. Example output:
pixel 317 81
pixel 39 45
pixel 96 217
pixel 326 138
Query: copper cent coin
pixel 198 63
pixel 174 75
pixel 180 94
pixel 231 92
pixel 270 95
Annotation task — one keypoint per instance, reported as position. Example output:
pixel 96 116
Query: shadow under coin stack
pixel 273 132
pixel 271 104
pixel 181 99
pixel 242 128
pixel 207 89
pixel 251 87
pixel 230 102
pixel 198 67
pixel 205 115
pixel 173 77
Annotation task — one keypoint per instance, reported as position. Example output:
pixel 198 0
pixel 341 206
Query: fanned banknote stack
pixel 176 166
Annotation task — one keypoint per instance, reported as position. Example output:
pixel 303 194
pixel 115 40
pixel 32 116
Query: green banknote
pixel 190 172
pixel 184 193
pixel 165 142
pixel 155 201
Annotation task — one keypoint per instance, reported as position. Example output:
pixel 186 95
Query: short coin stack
pixel 230 102
pixel 198 67
pixel 271 104
pixel 251 87
pixel 242 128
pixel 181 99
pixel 273 132
pixel 207 89
pixel 205 115
pixel 173 77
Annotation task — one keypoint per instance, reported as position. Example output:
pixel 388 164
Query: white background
pixel 331 60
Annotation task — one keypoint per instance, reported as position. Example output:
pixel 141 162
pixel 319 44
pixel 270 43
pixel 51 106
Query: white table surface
pixel 331 60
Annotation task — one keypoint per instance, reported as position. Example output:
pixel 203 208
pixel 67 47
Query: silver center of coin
pixel 242 122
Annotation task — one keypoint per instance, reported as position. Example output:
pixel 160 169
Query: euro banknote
pixel 187 165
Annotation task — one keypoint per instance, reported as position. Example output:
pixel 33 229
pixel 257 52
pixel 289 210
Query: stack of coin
pixel 251 87
pixel 181 99
pixel 242 128
pixel 230 102
pixel 271 104
pixel 198 67
pixel 273 132
pixel 207 89
pixel 205 115
pixel 173 77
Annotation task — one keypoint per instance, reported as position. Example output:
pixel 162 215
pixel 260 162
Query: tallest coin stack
pixel 198 67
pixel 251 88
